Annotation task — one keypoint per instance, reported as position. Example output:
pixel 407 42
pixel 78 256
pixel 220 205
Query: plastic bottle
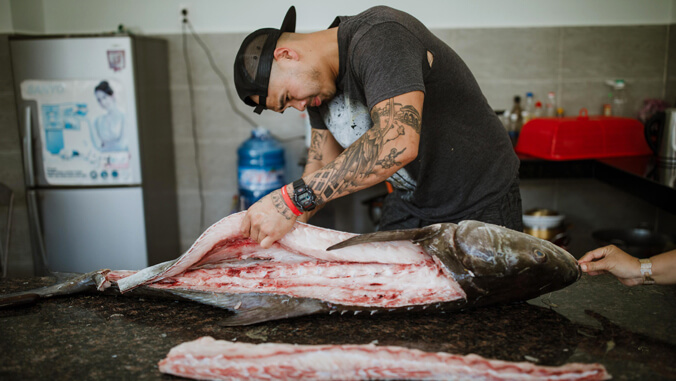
pixel 260 167
pixel 619 98
pixel 529 110
pixel 608 106
pixel 538 110
pixel 550 106
pixel 516 120
pixel 504 118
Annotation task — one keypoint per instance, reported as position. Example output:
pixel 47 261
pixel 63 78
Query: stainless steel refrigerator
pixel 95 119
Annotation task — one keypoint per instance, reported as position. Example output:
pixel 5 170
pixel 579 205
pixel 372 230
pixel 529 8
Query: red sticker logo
pixel 116 59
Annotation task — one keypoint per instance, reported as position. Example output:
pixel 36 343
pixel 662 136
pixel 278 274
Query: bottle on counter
pixel 516 120
pixel 617 98
pixel 550 106
pixel 608 105
pixel 529 110
pixel 537 113
pixel 503 115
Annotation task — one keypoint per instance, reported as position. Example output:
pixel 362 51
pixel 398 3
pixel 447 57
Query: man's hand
pixel 611 259
pixel 268 220
pixel 305 217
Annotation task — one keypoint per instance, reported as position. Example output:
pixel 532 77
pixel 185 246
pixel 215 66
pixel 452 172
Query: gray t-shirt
pixel 465 158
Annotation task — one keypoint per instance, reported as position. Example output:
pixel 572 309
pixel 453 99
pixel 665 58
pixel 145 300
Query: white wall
pixel 28 16
pixel 5 17
pixel 209 16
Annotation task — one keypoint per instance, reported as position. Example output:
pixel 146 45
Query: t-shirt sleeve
pixel 389 60
pixel 316 120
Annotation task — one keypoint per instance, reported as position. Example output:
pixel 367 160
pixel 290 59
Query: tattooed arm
pixel 323 149
pixel 389 145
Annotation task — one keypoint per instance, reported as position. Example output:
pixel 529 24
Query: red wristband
pixel 289 203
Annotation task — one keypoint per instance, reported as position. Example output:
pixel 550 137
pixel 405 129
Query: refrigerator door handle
pixel 40 265
pixel 28 148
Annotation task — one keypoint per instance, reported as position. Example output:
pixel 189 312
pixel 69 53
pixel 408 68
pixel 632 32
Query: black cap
pixel 254 61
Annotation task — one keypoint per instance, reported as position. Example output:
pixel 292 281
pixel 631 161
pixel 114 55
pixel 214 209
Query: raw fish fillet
pixel 210 359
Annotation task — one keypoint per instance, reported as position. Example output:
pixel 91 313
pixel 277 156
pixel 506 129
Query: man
pixel 387 100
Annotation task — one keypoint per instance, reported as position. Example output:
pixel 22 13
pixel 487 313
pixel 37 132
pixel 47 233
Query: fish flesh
pixel 206 358
pixel 315 270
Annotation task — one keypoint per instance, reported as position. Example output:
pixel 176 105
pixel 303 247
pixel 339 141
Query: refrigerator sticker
pixel 83 132
pixel 116 59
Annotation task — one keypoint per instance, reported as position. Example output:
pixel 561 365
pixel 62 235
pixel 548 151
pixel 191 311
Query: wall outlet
pixel 183 12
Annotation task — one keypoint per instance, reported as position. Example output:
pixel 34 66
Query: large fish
pixel 315 270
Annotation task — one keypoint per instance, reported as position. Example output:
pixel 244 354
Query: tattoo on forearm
pixel 388 161
pixel 315 151
pixel 280 205
pixel 400 131
pixel 367 155
pixel 409 116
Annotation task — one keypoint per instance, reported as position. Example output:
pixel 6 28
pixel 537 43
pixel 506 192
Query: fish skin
pixel 252 308
pixel 67 284
pixel 492 264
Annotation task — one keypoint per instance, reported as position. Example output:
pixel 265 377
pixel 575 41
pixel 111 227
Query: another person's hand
pixel 611 259
pixel 268 220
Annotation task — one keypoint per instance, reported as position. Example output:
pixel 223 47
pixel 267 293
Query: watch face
pixel 305 199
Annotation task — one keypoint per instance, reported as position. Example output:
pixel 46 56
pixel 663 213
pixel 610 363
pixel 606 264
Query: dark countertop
pixel 642 176
pixel 629 330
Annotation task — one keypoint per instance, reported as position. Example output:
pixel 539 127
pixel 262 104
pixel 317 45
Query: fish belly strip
pixel 223 237
pixel 312 241
pixel 306 240
pixel 358 284
pixel 206 358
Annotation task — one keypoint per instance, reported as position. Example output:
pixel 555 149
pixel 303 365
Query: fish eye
pixel 539 255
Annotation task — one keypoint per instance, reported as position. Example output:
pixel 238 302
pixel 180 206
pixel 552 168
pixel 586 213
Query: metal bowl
pixel 542 219
pixel 639 242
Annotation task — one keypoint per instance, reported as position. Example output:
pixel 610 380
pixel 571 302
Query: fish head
pixel 493 263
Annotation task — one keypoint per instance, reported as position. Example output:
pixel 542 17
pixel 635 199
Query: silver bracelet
pixel 647 271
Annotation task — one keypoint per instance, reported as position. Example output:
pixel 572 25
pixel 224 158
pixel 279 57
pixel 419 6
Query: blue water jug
pixel 260 167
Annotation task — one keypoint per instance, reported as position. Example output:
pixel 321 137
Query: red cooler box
pixel 582 137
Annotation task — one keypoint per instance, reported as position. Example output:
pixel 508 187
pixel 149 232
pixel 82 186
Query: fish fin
pixel 144 276
pixel 18 300
pixel 67 284
pixel 64 276
pixel 258 308
pixel 252 308
pixel 414 235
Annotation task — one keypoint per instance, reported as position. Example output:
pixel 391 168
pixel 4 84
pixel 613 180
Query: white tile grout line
pixel 666 65
pixel 559 88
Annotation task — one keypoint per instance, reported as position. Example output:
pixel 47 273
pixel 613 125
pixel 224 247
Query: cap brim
pixel 289 23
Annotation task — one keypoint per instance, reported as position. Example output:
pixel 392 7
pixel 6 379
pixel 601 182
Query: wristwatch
pixel 303 196
pixel 647 271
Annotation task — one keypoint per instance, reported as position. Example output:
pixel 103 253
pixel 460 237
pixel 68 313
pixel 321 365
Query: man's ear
pixel 286 53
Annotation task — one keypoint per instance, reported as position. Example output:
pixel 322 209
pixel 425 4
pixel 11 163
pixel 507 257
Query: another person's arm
pixel 627 268
pixel 386 147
